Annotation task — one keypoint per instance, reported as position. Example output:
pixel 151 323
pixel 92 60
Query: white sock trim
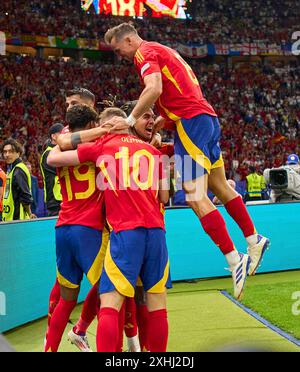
pixel 233 258
pixel 134 343
pixel 252 240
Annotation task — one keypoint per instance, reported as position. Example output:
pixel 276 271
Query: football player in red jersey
pixel 136 319
pixel 144 129
pixel 137 243
pixel 80 244
pixel 171 83
pixel 77 335
pixel 80 96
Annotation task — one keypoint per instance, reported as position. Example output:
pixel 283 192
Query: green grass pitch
pixel 202 319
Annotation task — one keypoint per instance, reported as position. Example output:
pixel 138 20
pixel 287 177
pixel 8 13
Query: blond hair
pixel 118 32
pixel 110 112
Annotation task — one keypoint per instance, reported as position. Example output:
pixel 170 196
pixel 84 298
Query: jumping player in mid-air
pixel 171 83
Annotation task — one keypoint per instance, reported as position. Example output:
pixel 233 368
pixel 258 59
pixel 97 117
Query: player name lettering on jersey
pixel 131 140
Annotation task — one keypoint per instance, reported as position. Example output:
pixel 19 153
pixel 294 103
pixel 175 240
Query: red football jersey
pixel 182 96
pixel 130 170
pixel 167 149
pixel 83 203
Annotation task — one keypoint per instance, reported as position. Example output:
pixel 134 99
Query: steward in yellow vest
pixel 2 189
pixel 17 198
pixel 255 185
pixel 52 190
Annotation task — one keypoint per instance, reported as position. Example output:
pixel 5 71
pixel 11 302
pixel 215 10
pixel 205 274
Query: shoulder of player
pixel 147 48
pixel 89 145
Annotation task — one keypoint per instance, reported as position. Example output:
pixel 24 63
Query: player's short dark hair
pixel 82 93
pixel 79 116
pixel 18 148
pixel 55 128
pixel 109 112
pixel 118 32
pixel 129 106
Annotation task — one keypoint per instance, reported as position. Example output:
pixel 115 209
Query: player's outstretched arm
pixel 70 141
pixel 148 97
pixel 150 94
pixel 159 124
pixel 57 158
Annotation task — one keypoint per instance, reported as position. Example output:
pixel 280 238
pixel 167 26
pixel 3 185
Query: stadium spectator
pixel 52 191
pixel 262 138
pixel 294 162
pixel 18 198
pixel 219 22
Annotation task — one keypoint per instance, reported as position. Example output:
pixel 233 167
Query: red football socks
pixel 238 211
pixel 53 301
pixel 121 328
pixel 214 225
pixel 89 311
pixel 58 324
pixel 130 318
pixel 108 330
pixel 158 331
pixel 142 315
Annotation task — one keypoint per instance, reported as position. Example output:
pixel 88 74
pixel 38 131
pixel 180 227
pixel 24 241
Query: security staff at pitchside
pixel 2 189
pixel 52 188
pixel 17 198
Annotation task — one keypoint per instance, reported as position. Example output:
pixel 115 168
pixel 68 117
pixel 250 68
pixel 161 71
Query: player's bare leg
pixel 257 244
pixel 214 225
pixel 218 185
pixel 108 325
pixel 158 321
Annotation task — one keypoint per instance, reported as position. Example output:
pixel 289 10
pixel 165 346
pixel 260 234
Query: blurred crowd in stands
pixel 215 21
pixel 258 106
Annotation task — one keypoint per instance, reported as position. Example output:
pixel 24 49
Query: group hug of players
pixel 114 184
